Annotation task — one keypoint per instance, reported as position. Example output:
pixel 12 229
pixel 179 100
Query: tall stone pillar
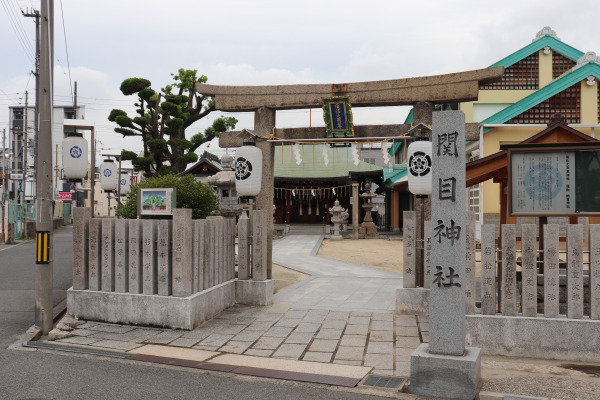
pixel 355 211
pixel 445 367
pixel 264 122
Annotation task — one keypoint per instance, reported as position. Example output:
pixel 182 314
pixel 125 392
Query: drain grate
pixel 381 381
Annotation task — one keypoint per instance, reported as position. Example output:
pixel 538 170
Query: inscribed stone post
pixel 409 256
pixel 226 265
pixel 214 257
pixel 231 247
pixel 551 265
pixel 81 226
pixel 470 291
pixel 427 254
pixel 211 279
pixel 94 241
pixel 165 268
pixel 509 270
pixel 575 271
pixel 259 245
pixel 220 243
pixel 108 255
pixel 244 248
pixel 205 271
pixel 595 271
pixel 488 269
pixel 199 254
pixel 135 256
pixel 149 257
pixel 448 205
pixel 183 279
pixel 529 268
pixel 355 211
pixel 121 256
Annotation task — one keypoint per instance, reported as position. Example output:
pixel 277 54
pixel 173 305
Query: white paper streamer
pixel 325 154
pixel 355 154
pixel 297 154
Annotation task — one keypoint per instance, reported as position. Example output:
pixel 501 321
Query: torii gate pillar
pixel 264 122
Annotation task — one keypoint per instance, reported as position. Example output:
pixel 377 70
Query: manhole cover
pixel 380 381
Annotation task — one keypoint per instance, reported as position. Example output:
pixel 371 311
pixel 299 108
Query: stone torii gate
pixel 422 93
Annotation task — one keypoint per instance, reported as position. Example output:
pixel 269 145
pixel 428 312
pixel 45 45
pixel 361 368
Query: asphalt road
pixel 36 374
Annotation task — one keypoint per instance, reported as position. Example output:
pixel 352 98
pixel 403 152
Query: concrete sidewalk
pixel 336 327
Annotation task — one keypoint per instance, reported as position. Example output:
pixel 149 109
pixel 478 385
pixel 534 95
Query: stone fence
pixel 522 300
pixel 174 273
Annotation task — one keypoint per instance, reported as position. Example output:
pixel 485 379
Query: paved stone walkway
pixel 342 314
pixel 333 284
pixel 383 341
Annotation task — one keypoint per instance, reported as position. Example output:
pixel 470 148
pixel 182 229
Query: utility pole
pixel 25 148
pixel 36 14
pixel 3 181
pixel 15 161
pixel 44 257
pixel 75 101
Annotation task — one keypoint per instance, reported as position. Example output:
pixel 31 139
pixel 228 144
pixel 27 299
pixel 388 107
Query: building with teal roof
pixel 545 77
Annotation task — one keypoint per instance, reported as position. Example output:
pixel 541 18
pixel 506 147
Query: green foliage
pixel 125 131
pixel 162 120
pixel 128 155
pixel 115 113
pixel 190 194
pixel 146 94
pixel 124 121
pixel 134 85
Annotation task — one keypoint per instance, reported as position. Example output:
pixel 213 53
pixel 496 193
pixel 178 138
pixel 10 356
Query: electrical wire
pixel 67 50
pixel 18 30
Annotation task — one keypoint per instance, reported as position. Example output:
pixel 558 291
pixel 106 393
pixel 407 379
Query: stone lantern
pixel 224 182
pixel 337 219
pixel 368 227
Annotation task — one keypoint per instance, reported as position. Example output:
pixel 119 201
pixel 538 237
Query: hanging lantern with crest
pixel 419 167
pixel 75 157
pixel 108 176
pixel 125 184
pixel 248 170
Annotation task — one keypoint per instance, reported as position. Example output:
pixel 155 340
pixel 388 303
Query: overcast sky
pixel 256 42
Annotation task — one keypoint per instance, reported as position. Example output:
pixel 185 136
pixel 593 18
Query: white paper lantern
pixel 108 175
pixel 419 167
pixel 75 157
pixel 125 183
pixel 248 170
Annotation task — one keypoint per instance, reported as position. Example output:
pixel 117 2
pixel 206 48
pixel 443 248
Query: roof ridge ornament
pixel 589 57
pixel 546 31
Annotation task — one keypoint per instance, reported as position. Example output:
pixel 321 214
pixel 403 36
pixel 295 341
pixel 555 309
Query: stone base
pixel 368 229
pixel 536 337
pixel 335 237
pixel 412 301
pixel 152 310
pixel 254 293
pixel 448 377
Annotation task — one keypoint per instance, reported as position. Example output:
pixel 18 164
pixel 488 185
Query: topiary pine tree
pixel 161 121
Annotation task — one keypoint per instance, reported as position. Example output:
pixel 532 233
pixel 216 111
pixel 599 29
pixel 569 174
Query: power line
pixel 66 49
pixel 19 25
pixel 18 30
